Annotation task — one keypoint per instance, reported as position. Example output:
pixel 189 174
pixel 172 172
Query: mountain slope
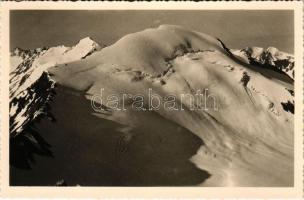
pixel 245 123
pixel 30 85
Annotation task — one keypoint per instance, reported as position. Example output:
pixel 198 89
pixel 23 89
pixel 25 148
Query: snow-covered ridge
pixel 30 84
pixel 271 56
pixel 18 55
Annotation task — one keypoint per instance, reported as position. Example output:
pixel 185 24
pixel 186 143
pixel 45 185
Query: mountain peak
pixel 87 41
pixel 19 52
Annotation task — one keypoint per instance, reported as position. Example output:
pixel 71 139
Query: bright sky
pixel 237 29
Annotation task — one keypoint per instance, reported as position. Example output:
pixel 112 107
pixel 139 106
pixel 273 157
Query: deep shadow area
pixel 91 151
pixel 25 146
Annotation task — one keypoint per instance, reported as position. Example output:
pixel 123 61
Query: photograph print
pixel 151 98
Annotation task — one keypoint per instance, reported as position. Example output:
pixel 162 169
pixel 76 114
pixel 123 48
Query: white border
pixel 152 192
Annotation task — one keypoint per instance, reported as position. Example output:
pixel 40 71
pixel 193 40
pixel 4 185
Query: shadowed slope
pixel 89 150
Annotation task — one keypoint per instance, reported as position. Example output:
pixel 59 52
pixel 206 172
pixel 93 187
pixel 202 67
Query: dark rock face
pixel 34 100
pixel 288 106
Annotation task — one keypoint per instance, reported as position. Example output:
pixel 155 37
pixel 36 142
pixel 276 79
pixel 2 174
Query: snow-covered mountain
pixel 270 57
pixel 30 84
pixel 246 141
